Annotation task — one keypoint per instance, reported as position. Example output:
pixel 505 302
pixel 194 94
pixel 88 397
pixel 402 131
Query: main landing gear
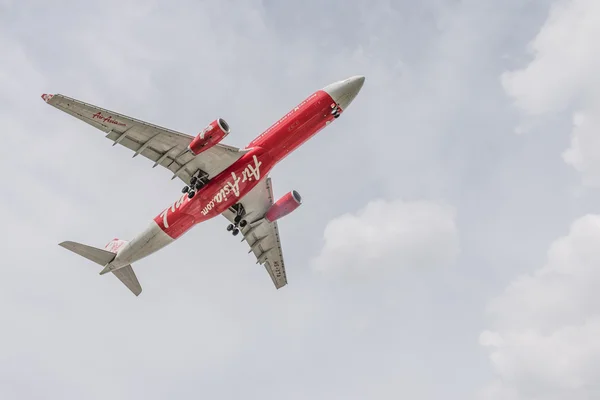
pixel 237 221
pixel 196 183
pixel 335 110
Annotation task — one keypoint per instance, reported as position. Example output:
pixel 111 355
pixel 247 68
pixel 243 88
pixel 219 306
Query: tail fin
pixel 104 257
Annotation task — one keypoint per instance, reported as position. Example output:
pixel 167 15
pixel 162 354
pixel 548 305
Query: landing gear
pixel 196 183
pixel 191 191
pixel 335 110
pixel 237 220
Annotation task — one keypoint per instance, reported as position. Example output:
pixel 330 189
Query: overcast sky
pixel 447 247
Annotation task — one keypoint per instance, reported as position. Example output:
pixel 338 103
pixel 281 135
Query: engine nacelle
pixel 285 205
pixel 211 135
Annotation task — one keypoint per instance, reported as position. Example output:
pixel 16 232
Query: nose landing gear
pixel 335 110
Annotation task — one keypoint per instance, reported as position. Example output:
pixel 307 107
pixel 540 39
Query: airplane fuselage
pixel 225 189
pixel 231 185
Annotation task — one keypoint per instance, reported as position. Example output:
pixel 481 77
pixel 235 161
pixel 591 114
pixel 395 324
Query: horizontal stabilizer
pixel 99 256
pixel 127 276
pixel 103 258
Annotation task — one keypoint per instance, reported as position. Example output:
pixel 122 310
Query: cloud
pixel 563 75
pixel 543 339
pixel 389 235
pixel 430 123
pixel 584 153
pixel 564 62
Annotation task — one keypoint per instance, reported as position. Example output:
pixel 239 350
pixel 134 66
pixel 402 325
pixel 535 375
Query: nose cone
pixel 343 92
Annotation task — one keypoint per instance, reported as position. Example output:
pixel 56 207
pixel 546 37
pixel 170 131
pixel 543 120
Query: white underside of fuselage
pixel 144 244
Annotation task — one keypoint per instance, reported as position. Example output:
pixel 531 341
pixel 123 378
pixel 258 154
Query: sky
pixel 447 245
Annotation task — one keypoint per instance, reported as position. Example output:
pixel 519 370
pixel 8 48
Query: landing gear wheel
pixel 335 110
pixel 193 181
pixel 199 185
pixel 336 115
pixel 238 222
pixel 185 189
pixel 191 194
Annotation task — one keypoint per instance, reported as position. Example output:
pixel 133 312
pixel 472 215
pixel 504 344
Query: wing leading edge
pixel 261 235
pixel 165 147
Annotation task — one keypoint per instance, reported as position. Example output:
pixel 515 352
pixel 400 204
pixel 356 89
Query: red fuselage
pixel 264 152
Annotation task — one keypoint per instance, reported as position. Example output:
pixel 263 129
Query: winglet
pixel 47 97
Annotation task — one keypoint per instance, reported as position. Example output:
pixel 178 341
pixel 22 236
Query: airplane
pixel 219 179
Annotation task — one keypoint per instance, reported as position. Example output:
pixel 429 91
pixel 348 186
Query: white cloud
pixel 565 60
pixel 584 153
pixel 543 339
pixel 389 235
pixel 208 316
pixel 563 75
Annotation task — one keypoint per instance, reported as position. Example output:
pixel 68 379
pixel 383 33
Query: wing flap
pixel 103 118
pixel 163 146
pixel 261 235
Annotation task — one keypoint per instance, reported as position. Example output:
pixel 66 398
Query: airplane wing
pixel 261 235
pixel 165 147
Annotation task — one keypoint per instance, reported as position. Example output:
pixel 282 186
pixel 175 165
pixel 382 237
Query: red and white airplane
pixel 220 179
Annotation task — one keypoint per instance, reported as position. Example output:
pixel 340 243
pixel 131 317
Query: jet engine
pixel 211 135
pixel 285 205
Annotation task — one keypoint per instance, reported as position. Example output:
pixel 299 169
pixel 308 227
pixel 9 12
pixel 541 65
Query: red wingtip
pixel 47 97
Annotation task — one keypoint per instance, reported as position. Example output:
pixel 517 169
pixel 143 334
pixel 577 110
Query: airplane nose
pixel 343 92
